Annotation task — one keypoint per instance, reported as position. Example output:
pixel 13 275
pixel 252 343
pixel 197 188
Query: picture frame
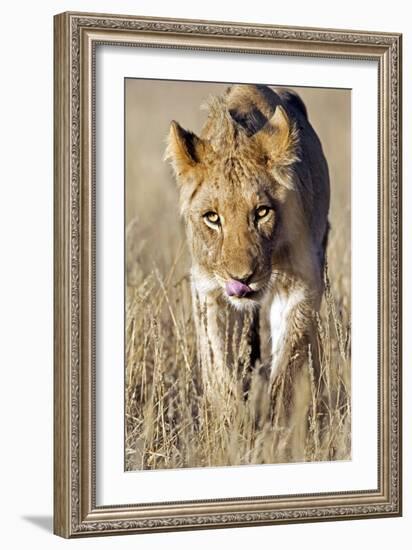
pixel 77 36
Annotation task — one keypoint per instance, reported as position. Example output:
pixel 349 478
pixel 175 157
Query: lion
pixel 254 197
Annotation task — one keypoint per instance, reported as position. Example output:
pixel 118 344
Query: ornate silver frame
pixel 75 38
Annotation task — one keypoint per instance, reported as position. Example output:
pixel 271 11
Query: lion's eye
pixel 212 218
pixel 262 212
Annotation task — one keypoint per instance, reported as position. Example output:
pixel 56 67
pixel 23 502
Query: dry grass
pixel 172 423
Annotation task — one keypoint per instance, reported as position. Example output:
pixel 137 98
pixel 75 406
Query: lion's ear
pixel 278 139
pixel 184 149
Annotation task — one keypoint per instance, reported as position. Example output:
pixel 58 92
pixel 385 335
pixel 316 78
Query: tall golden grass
pixel 171 422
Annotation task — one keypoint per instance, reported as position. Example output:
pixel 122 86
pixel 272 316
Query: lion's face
pixel 233 220
pixel 232 199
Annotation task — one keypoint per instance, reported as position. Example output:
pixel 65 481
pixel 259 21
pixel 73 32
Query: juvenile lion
pixel 254 194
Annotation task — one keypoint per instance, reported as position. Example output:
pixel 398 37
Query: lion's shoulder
pixel 293 101
pixel 252 106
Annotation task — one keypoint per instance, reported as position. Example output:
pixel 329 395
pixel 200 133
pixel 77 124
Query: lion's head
pixel 234 184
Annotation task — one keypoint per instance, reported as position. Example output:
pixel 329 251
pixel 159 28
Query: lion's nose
pixel 237 288
pixel 241 277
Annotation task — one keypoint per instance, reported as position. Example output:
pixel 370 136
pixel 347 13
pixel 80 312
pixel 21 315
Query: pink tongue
pixel 236 288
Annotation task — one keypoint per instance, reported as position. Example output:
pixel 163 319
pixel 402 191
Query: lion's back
pixel 252 106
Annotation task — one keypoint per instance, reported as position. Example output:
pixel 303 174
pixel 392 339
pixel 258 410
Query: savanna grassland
pixel 170 421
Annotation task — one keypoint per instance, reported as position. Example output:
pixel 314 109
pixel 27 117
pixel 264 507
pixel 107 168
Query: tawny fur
pixel 257 148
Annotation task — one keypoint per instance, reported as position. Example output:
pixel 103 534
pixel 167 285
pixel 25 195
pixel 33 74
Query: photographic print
pixel 237 274
pixel 227 269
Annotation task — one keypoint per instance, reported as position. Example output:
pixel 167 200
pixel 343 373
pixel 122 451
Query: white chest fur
pixel 281 314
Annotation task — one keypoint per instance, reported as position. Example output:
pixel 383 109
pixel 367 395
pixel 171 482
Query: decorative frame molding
pixel 75 38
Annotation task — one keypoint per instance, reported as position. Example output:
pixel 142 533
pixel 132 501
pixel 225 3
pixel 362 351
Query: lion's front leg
pixel 293 336
pixel 228 342
pixel 211 335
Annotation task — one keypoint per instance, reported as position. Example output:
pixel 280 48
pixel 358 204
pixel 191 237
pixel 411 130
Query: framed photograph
pixel 227 274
